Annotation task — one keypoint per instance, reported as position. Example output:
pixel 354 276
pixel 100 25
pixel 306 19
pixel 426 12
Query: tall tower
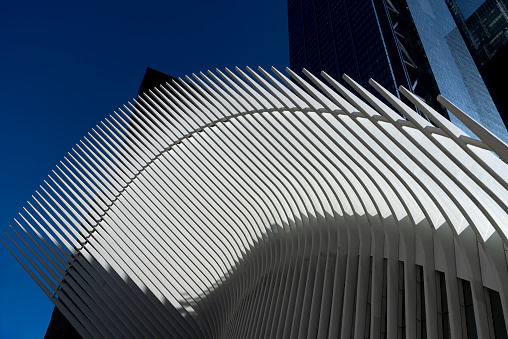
pixel 413 43
pixel 484 27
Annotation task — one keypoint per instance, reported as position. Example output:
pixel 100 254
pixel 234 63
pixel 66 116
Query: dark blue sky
pixel 65 66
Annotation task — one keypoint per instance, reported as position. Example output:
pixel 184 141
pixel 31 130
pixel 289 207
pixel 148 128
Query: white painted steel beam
pixel 250 205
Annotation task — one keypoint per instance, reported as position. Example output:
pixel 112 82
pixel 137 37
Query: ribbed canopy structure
pixel 245 204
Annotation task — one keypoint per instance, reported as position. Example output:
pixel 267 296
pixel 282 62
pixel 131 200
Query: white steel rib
pixel 250 205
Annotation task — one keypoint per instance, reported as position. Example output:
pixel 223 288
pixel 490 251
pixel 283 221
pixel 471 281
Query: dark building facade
pixel 152 79
pixel 413 43
pixel 363 39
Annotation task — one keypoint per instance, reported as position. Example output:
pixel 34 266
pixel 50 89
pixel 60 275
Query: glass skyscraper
pixel 484 28
pixel 413 43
